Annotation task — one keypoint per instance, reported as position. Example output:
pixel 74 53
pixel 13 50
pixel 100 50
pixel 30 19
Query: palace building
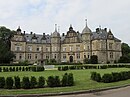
pixel 71 46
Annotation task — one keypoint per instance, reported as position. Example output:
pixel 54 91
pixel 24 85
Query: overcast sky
pixel 40 16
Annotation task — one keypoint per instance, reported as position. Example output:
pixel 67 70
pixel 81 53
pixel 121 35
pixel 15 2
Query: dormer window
pixel 34 40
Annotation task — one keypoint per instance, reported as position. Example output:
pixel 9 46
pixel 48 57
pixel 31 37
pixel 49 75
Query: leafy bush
pixel 25 83
pixel 33 82
pixel 5 69
pixel 51 81
pixel 0 69
pixel 103 67
pixel 13 69
pixel 96 76
pixel 57 81
pixel 10 69
pixel 59 68
pixel 41 82
pixel 2 82
pixel 23 69
pixel 17 82
pixel 37 68
pixel 72 67
pixel 70 79
pixel 65 80
pixel 20 68
pixel 116 76
pixel 64 68
pixel 17 69
pixel 107 78
pixel 9 83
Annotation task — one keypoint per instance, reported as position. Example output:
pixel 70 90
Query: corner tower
pixel 86 38
pixel 55 45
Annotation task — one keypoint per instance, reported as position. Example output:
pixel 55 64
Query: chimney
pixel 24 32
pixel 63 34
pixel 105 29
pixel 97 29
pixel 43 34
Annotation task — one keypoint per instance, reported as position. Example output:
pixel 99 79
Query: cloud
pixel 41 15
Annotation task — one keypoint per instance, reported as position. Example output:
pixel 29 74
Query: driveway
pixel 121 92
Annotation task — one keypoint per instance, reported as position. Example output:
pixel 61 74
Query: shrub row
pixel 75 67
pixel 16 64
pixel 113 77
pixel 64 68
pixel 28 68
pixel 26 83
pixel 29 83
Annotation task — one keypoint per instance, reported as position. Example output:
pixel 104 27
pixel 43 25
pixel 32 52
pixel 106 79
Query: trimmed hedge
pixel 113 77
pixel 67 80
pixel 23 68
pixel 27 83
pixel 17 83
pixel 33 82
pixel 2 82
pixel 9 82
pixel 41 82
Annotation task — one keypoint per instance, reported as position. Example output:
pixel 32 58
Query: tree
pixel 5 43
pixel 125 58
pixel 94 59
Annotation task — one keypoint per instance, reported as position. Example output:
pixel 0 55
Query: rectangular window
pixel 55 48
pixel 110 45
pixel 18 48
pixel 55 56
pixel 47 56
pixel 36 56
pixel 47 49
pixel 29 56
pixel 71 48
pixel 84 56
pixel 78 55
pixel 64 56
pixel 84 47
pixel 77 47
pixel 111 54
pixel 29 48
pixel 20 56
pixel 64 49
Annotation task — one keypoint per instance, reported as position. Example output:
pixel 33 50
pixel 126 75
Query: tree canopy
pixel 5 43
pixel 125 58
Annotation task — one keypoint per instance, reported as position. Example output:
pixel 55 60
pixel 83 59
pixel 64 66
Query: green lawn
pixel 82 81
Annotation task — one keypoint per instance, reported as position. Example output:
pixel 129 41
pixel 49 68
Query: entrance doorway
pixel 71 59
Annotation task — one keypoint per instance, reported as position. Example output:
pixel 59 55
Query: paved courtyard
pixel 122 92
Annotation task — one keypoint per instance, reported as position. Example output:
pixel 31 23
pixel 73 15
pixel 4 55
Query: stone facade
pixel 70 47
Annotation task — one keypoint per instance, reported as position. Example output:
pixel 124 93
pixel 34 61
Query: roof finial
pixel 100 27
pixel 58 28
pixel 70 25
pixel 86 22
pixel 55 27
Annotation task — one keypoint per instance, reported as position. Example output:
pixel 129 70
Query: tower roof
pixel 86 29
pixel 55 33
pixel 19 30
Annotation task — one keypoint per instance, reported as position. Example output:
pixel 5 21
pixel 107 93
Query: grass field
pixel 81 77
